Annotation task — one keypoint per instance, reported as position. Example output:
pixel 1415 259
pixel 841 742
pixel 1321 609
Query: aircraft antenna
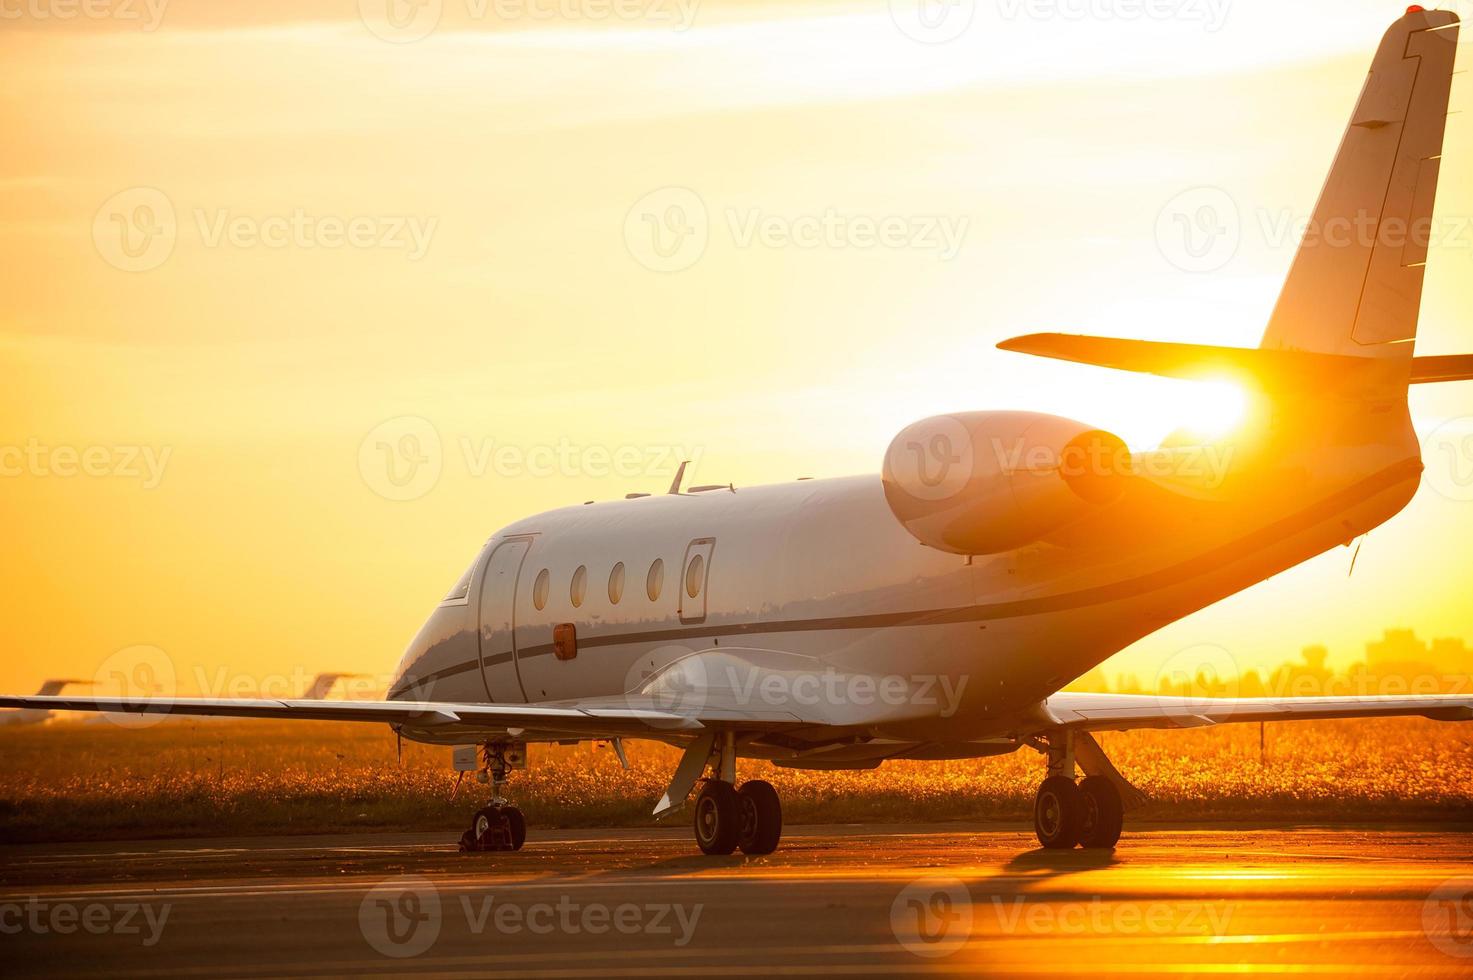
pixel 679 476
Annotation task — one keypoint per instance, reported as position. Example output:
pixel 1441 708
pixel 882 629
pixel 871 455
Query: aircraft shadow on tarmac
pixel 1045 863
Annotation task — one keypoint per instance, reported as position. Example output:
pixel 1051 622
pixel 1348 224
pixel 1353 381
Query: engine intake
pixel 979 483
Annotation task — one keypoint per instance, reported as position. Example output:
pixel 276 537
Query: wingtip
pixel 1021 343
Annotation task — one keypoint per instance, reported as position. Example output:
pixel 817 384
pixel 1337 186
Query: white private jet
pixel 936 610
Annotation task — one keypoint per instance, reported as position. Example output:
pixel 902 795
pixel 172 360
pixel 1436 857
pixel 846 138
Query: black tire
pixel 497 828
pixel 483 828
pixel 1057 811
pixel 761 817
pixel 518 825
pixel 1103 814
pixel 718 817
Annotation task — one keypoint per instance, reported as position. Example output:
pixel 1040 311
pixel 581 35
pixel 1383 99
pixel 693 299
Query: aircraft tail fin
pixel 1355 286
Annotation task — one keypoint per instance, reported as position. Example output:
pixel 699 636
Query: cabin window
pixel 579 588
pixel 655 580
pixel 540 588
pixel 693 576
pixel 616 583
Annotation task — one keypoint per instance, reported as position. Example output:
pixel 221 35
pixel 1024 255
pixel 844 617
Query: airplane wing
pixel 1120 712
pixel 595 718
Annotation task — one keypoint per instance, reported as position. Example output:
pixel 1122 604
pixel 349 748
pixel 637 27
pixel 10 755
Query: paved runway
pixel 834 900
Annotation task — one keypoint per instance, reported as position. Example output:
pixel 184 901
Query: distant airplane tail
pixel 1356 283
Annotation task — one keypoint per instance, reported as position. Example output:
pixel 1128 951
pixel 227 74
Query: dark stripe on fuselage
pixel 1018 608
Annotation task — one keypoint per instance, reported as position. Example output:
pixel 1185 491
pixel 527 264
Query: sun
pixel 1213 407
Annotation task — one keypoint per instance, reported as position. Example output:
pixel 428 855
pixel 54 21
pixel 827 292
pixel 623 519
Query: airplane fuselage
pixel 811 596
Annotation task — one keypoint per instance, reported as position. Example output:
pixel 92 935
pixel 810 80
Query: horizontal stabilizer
pixel 1451 367
pixel 1199 362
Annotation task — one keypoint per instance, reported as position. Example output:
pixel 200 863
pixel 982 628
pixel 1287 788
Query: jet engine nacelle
pixel 979 483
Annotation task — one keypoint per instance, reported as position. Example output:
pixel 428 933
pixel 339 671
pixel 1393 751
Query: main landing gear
pixel 728 817
pixel 498 826
pixel 1089 813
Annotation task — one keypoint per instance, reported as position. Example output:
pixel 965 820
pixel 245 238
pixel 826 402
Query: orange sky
pixel 495 175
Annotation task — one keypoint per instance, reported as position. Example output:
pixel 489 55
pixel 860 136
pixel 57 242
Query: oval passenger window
pixel 693 576
pixel 655 580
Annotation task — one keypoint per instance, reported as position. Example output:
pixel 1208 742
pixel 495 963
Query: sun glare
pixel 1213 408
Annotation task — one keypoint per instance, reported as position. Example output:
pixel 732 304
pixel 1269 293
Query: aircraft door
pixel 695 572
pixel 497 633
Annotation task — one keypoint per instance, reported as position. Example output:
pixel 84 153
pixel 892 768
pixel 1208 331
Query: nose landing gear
pixel 500 825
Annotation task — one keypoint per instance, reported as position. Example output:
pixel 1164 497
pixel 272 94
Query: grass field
pixel 183 778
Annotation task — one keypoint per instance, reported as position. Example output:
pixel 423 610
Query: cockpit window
pixel 462 585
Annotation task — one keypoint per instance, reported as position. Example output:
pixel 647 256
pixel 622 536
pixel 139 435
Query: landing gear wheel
pixel 761 824
pixel 718 817
pixel 1057 812
pixel 1103 813
pixel 498 827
